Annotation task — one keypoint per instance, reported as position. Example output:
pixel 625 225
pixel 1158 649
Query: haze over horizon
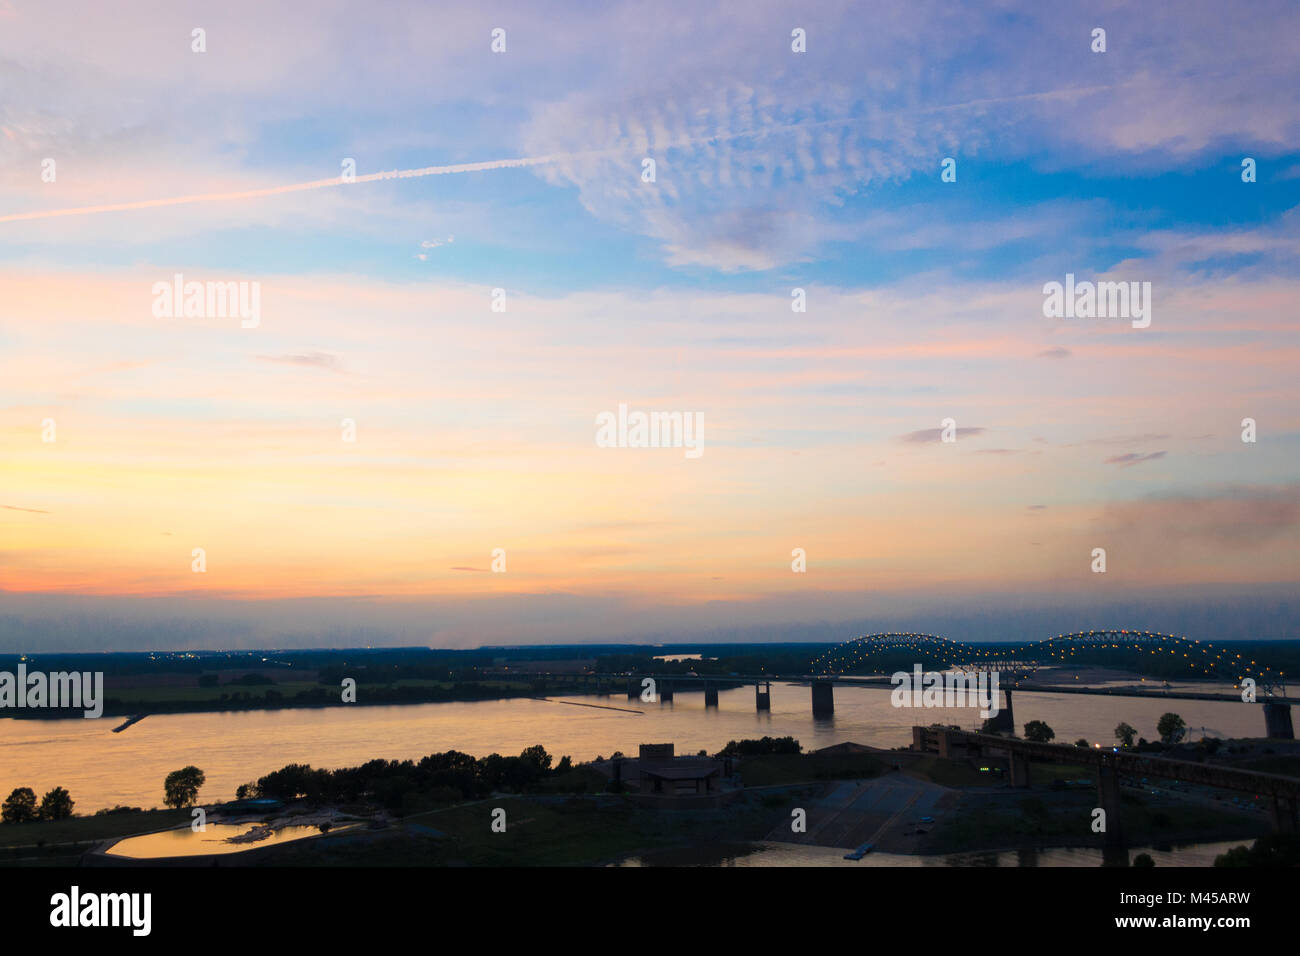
pixel 475 430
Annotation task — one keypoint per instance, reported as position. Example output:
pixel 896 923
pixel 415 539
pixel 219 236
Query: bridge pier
pixel 763 698
pixel 1108 797
pixel 665 690
pixel 945 745
pixel 823 699
pixel 633 688
pixel 1284 815
pixel 1004 722
pixel 710 694
pixel 1277 721
pixel 1019 769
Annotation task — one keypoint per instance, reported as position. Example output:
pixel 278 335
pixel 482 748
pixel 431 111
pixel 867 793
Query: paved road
pixel 853 813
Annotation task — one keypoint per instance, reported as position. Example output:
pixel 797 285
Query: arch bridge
pixel 1200 660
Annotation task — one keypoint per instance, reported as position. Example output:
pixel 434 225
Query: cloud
pixel 305 360
pixel 1127 439
pixel 1238 517
pixel 936 434
pixel 1058 352
pixel 35 511
pixel 745 172
pixel 1132 458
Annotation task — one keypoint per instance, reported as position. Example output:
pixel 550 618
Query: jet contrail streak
pixel 541 160
pixel 293 188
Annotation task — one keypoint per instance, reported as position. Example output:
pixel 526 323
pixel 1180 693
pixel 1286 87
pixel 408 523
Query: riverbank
pixel 137 701
pixel 597 830
pixel 905 804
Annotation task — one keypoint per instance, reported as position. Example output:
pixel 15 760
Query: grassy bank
pixel 62 842
pixel 575 831
pixel 985 821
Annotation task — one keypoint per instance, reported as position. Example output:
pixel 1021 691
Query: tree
pixel 181 788
pixel 1038 732
pixel 56 805
pixel 1143 859
pixel 1171 728
pixel 20 807
pixel 1274 850
pixel 537 756
pixel 1082 744
pixel 1125 734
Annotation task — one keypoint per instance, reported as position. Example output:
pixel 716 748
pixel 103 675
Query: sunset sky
pixel 775 171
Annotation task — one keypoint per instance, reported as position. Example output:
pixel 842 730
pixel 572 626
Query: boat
pixel 860 852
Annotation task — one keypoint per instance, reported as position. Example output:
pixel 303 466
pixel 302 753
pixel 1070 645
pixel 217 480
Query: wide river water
pixel 103 769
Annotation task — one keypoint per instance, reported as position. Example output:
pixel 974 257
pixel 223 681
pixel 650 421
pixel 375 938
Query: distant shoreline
pixel 116 708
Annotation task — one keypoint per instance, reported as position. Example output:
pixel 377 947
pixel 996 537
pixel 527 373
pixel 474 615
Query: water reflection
pixel 103 769
pixel 215 839
pixel 764 854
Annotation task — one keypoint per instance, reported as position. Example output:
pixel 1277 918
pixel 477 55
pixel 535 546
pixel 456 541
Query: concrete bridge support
pixel 633 688
pixel 1108 798
pixel 1005 721
pixel 1277 720
pixel 823 699
pixel 763 695
pixel 1284 815
pixel 1019 769
pixel 665 690
pixel 710 694
pixel 945 745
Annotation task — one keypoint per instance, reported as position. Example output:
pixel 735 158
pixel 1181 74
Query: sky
pixel 401 446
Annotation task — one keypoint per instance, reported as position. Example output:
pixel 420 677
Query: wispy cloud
pixel 936 434
pixel 1132 458
pixel 323 360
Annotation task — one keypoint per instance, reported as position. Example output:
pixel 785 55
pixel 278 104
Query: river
pixel 103 769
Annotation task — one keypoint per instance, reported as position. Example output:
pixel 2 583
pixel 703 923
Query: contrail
pixel 523 161
pixel 297 187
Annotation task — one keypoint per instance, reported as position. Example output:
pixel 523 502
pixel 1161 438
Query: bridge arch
pixel 1202 659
